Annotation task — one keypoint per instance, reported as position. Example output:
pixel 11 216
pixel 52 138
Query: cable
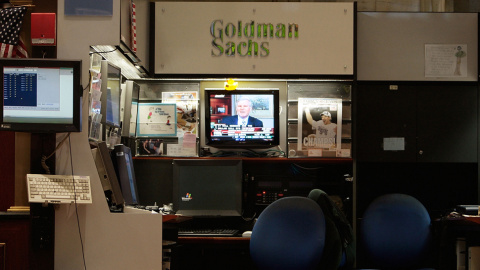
pixel 44 158
pixel 103 52
pixel 76 208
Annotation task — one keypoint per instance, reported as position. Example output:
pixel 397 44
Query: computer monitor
pixel 111 90
pixel 223 110
pixel 108 177
pixel 126 173
pixel 41 95
pixel 207 188
pixel 130 106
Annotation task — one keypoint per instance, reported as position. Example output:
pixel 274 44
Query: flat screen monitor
pixel 126 173
pixel 207 188
pixel 111 91
pixel 108 177
pixel 242 118
pixel 130 106
pixel 41 95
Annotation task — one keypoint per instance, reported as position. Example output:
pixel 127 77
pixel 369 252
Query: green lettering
pixel 218 47
pixel 264 29
pixel 239 48
pixel 292 30
pixel 230 30
pixel 230 50
pixel 265 49
pixel 280 30
pixel 250 26
pixel 213 30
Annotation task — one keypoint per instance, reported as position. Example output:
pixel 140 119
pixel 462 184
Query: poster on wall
pixel 186 106
pixel 320 126
pixel 445 60
pixel 156 119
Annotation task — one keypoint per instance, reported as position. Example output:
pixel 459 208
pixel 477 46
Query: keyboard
pixel 46 188
pixel 207 232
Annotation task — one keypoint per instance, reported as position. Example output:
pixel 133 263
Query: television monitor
pixel 224 110
pixel 111 91
pixel 207 188
pixel 108 177
pixel 130 106
pixel 126 173
pixel 41 95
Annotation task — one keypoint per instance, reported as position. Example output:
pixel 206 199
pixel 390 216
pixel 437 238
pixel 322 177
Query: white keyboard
pixel 46 188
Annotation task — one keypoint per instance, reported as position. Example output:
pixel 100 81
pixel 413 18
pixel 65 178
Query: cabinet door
pixel 381 114
pixel 14 237
pixel 447 123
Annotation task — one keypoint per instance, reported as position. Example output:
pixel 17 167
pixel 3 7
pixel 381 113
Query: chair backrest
pixel 340 239
pixel 396 231
pixel 289 234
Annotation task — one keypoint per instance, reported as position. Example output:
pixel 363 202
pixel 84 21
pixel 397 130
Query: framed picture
pixel 156 119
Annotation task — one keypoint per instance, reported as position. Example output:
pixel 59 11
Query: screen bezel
pixel 187 165
pixel 75 125
pixel 249 144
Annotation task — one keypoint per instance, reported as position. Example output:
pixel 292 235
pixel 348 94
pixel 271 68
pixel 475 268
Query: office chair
pixel 289 234
pixel 396 232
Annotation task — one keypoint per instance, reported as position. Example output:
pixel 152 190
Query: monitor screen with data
pixel 41 95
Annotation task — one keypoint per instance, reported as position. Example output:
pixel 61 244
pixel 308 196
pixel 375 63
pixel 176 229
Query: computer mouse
pixel 247 234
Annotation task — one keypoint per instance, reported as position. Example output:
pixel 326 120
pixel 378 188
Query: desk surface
pixel 237 240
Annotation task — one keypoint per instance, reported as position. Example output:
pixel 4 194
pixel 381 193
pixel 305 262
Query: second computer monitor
pixel 207 187
pixel 126 173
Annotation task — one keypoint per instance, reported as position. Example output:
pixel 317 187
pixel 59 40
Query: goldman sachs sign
pixel 248 38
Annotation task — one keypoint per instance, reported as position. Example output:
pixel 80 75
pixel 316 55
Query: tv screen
pixel 210 187
pixel 41 95
pixel 242 118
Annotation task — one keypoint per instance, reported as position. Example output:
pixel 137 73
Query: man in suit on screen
pixel 243 118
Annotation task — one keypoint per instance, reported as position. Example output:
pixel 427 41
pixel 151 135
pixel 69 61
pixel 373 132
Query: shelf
pixel 264 160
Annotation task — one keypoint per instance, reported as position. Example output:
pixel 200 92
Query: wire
pixel 89 80
pixel 103 52
pixel 76 208
pixel 44 158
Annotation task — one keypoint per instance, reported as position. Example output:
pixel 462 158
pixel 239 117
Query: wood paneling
pixel 7 169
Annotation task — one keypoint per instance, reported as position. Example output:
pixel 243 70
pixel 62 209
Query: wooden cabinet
pixel 14 241
pixel 436 121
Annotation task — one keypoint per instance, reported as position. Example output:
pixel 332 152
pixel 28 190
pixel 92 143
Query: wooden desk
pixel 448 230
pixel 220 253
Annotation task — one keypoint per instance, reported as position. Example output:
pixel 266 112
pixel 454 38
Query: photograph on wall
pixel 149 147
pixel 156 119
pixel 186 103
pixel 320 126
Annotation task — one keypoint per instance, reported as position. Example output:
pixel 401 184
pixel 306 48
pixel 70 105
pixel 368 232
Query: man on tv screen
pixel 243 118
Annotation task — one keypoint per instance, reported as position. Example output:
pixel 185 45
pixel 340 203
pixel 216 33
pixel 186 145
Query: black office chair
pixel 396 232
pixel 289 234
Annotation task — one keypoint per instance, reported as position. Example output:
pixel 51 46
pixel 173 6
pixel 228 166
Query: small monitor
pixel 108 177
pixel 208 188
pixel 130 106
pixel 111 91
pixel 246 119
pixel 41 95
pixel 126 173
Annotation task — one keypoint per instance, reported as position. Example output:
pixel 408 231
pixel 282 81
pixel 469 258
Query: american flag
pixel 11 44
